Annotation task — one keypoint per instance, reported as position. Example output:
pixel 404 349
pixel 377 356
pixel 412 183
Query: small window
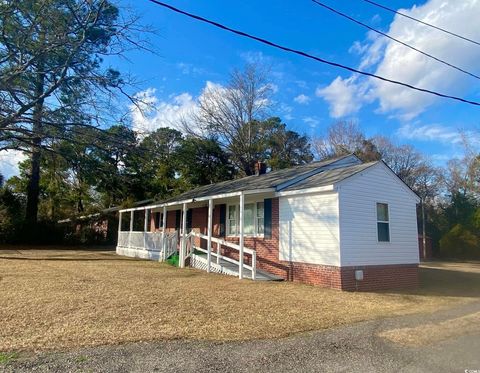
pixel 232 220
pixel 383 223
pixel 260 218
pixel 248 219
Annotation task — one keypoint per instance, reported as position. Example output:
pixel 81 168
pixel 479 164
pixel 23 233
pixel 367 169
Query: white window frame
pixel 382 221
pixel 237 219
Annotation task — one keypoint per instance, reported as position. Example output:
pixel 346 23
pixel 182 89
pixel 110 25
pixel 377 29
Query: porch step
pixel 247 273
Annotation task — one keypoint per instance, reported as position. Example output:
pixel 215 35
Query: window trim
pixel 237 219
pixel 383 221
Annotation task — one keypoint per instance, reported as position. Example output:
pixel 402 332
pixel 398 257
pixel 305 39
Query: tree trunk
pixel 33 189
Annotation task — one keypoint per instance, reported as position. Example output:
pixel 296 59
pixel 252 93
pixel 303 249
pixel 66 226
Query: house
pixel 339 223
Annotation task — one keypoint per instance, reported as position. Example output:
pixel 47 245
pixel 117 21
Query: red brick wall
pixel 314 274
pixel 397 276
pixel 170 222
pixel 199 224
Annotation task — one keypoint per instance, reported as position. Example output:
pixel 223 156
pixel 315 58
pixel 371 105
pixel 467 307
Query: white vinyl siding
pixel 309 229
pixel 358 198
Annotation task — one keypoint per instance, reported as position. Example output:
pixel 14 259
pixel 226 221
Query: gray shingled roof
pixel 266 181
pixel 329 177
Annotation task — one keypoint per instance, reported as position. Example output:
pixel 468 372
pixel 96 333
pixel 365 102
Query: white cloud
pixel 189 69
pixel 342 95
pixel 376 19
pixel 286 111
pixel 176 111
pixel 395 61
pixel 9 160
pixel 301 84
pixel 312 122
pixel 436 132
pixel 153 114
pixel 302 99
pixel 254 57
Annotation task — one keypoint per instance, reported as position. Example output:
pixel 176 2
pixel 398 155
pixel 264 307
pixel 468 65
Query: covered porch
pixel 186 228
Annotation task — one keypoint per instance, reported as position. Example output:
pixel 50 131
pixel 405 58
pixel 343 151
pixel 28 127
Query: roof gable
pixel 393 175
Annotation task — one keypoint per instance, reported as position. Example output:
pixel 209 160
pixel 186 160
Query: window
pixel 260 218
pixel 253 219
pixel 383 223
pixel 232 220
pixel 248 219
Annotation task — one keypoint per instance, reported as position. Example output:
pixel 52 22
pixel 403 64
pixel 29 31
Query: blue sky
pixel 309 96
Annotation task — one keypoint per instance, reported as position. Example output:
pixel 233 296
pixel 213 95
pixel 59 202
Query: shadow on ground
pixel 447 281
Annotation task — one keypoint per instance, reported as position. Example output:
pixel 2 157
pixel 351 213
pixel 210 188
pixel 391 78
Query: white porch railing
pixel 170 245
pixel 191 247
pixel 150 241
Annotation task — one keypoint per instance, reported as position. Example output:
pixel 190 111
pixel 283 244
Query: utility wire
pixel 420 21
pixel 304 54
pixel 394 39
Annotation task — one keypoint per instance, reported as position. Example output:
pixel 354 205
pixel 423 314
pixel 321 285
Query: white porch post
pixel 145 224
pixel 164 225
pixel 120 221
pixel 184 236
pixel 131 229
pixel 209 233
pixel 240 259
pixel 119 227
pixel 145 229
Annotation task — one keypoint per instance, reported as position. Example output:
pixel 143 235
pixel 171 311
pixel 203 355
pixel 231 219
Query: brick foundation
pixel 380 277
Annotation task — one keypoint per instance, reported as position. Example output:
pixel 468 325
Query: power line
pixel 394 39
pixel 420 21
pixel 304 54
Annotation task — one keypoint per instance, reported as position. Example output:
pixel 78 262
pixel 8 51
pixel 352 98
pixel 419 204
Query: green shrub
pixel 460 243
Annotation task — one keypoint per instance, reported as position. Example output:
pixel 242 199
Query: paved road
pixel 355 348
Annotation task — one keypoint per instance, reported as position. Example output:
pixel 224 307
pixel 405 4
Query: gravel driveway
pixel 356 348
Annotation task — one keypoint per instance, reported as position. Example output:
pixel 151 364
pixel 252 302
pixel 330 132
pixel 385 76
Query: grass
pixel 433 332
pixel 58 299
pixel 7 357
pixel 174 260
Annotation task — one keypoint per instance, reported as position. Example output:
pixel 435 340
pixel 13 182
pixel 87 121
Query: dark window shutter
pixel 157 220
pixel 189 220
pixel 223 216
pixel 267 221
pixel 177 219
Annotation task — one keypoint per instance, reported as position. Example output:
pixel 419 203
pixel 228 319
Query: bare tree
pixel 463 174
pixel 231 113
pixel 404 160
pixel 343 137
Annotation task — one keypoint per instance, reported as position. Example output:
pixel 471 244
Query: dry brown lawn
pixel 433 332
pixel 57 299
